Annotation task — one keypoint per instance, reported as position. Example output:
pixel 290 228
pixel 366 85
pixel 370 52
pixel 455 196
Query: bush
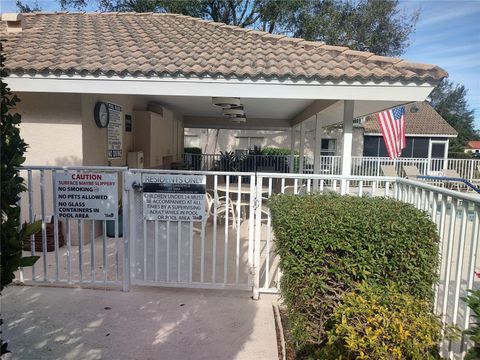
pixel 329 243
pixel 193 162
pixel 376 322
pixel 278 151
pixel 473 301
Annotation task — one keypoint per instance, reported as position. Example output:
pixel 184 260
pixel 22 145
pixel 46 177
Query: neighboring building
pixel 473 147
pixel 427 136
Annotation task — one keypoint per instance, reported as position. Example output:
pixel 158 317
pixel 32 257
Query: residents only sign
pixel 174 197
pixel 80 195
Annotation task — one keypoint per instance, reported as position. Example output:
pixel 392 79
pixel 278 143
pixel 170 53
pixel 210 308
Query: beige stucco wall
pixel 52 127
pixel 94 139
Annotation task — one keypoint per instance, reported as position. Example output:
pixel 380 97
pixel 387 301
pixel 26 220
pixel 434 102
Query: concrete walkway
pixel 146 323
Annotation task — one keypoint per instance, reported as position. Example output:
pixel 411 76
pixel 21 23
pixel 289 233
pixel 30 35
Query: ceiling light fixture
pixel 226 102
pixel 234 111
pixel 238 119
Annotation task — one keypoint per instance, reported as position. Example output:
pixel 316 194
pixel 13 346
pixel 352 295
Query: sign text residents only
pixel 174 197
pixel 91 196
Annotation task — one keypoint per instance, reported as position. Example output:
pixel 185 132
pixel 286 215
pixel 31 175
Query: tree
pixel 367 25
pixel 13 148
pixel 449 100
pixel 377 26
pixel 25 8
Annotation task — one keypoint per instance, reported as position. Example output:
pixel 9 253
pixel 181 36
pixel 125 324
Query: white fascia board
pixel 267 89
pixel 416 135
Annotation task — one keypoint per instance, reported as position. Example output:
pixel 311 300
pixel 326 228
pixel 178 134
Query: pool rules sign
pixel 92 196
pixel 174 197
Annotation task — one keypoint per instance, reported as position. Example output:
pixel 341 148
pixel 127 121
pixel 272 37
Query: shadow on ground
pixel 152 323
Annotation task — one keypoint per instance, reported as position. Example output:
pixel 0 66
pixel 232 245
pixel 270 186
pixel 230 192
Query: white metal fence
pixel 72 251
pixel 234 247
pixel 329 165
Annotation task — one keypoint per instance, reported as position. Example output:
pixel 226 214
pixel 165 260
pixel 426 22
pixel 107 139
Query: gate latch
pixel 137 186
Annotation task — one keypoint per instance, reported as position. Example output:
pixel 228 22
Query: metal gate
pixel 216 252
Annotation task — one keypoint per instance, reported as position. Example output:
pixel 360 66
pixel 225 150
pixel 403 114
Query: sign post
pixel 81 195
pixel 174 197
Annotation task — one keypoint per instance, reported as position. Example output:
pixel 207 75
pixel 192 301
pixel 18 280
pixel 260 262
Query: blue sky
pixel 447 34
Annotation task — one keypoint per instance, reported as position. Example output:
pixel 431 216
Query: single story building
pixel 97 86
pixel 473 147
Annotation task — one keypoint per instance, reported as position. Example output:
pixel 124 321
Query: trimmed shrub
pixel 329 243
pixel 277 151
pixel 194 163
pixel 376 322
pixel 473 301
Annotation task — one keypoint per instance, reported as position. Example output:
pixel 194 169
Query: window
pixel 192 141
pixel 246 143
pixel 328 147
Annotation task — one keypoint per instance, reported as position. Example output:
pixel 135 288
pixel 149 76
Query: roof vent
pixel 15 22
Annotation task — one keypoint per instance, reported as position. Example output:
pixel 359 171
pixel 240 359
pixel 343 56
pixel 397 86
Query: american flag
pixel 392 125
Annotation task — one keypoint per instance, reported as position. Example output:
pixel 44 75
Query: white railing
pixel 372 166
pixel 468 169
pixel 456 215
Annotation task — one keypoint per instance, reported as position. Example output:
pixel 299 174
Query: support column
pixel 347 142
pixel 317 151
pixel 302 147
pixel 445 157
pixel 292 150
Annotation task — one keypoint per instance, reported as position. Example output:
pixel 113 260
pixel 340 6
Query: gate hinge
pixel 255 203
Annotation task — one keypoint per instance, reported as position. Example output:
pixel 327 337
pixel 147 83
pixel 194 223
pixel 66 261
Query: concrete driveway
pixel 146 323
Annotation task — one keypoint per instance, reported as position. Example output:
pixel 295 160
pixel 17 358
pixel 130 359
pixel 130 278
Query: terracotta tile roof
pixel 168 44
pixel 425 121
pixel 473 144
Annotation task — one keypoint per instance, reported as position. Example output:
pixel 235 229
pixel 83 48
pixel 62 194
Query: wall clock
pixel 101 114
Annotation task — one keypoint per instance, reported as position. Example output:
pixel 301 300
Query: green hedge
pixel 328 244
pixel 278 151
pixel 192 150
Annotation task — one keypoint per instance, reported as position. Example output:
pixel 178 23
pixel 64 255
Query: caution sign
pixel 174 197
pixel 92 196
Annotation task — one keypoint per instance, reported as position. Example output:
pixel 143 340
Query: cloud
pixel 454 10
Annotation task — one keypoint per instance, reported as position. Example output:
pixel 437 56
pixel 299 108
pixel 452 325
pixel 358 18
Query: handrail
pixel 443 191
pixel 66 167
pixel 326 177
pixel 446 178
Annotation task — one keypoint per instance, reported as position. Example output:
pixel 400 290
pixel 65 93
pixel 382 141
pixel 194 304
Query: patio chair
pixel 453 184
pixel 389 170
pixel 221 206
pixel 476 178
pixel 411 172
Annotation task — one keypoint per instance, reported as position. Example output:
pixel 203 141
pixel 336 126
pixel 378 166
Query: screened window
pixel 328 147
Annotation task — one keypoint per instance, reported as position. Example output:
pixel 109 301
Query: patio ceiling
pixel 275 114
